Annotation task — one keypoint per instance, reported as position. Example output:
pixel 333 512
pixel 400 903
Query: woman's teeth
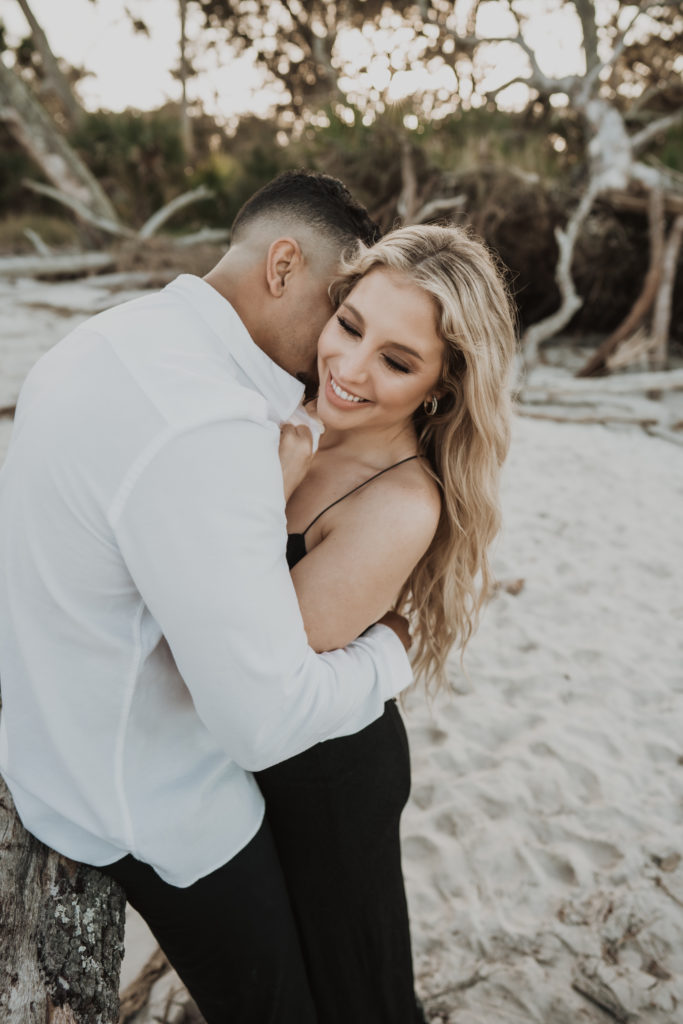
pixel 340 393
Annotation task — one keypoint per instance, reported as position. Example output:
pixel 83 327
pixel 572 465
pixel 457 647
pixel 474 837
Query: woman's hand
pixel 296 455
pixel 400 627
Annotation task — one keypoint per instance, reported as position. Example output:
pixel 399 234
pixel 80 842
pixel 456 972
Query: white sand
pixel 544 835
pixel 543 842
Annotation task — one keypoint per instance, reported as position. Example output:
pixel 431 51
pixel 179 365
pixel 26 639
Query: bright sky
pixel 131 69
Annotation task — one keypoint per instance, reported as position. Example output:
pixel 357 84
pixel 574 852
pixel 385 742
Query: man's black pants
pixel 230 936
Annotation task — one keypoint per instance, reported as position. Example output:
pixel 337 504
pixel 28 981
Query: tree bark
pixel 661 320
pixel 566 237
pixel 57 264
pixel 186 133
pixel 39 137
pixel 407 201
pixel 598 361
pixel 54 75
pixel 61 933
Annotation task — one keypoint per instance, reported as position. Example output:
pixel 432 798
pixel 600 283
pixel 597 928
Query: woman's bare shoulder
pixel 406 500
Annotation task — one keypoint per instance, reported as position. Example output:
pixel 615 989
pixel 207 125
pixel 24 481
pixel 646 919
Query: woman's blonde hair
pixel 466 440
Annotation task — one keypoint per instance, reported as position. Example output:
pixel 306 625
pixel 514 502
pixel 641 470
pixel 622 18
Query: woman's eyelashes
pixel 347 327
pixel 392 363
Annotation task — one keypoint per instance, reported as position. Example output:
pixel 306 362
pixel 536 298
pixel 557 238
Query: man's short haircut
pixel 320 201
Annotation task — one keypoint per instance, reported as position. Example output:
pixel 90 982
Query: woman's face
pixel 379 356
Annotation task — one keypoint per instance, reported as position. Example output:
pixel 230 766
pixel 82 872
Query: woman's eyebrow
pixel 396 344
pixel 356 312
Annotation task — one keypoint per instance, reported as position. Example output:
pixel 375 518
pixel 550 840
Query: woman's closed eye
pixel 354 332
pixel 393 364
pixel 348 327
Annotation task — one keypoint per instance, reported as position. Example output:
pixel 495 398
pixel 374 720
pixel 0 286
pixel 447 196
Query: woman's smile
pixel 344 399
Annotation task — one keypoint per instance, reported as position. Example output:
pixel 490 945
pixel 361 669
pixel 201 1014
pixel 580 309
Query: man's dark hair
pixel 318 200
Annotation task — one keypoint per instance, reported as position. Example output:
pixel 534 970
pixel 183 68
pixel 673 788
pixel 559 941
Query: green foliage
pixel 487 136
pixel 15 165
pixel 235 170
pixel 366 157
pixel 670 149
pixel 137 158
pixel 56 232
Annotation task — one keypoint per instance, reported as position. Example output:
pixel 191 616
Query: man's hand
pixel 296 455
pixel 400 627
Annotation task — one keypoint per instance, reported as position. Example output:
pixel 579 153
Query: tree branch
pixel 83 211
pixel 537 80
pixel 438 207
pixel 586 12
pixel 641 139
pixel 619 47
pixel 151 226
pixel 571 301
pixel 517 80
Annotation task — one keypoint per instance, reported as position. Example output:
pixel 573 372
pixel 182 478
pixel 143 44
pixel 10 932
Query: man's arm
pixel 202 531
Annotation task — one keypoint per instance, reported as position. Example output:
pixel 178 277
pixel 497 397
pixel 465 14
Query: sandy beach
pixel 543 841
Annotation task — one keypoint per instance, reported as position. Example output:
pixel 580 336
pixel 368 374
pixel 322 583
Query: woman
pixel 397 510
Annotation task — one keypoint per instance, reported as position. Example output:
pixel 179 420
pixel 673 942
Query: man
pixel 152 652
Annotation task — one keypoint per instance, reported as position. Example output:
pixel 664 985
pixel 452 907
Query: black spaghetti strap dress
pixel 334 812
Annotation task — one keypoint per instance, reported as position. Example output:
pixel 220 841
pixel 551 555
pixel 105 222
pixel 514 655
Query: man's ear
pixel 283 258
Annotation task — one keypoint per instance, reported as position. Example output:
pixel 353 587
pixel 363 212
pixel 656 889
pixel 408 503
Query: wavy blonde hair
pixel 466 441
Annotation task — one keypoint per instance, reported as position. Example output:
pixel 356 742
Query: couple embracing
pixel 200 638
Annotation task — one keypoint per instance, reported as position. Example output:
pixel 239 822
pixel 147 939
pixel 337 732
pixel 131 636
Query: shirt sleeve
pixel 202 530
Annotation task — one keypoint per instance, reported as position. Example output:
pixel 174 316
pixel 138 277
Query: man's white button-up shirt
pixel 152 651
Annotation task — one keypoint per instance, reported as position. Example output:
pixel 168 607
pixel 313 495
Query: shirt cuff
pixel 393 672
pixel 396 672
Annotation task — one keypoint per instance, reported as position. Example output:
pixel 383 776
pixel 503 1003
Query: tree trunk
pixel 39 137
pixel 598 361
pixel 566 238
pixel 407 201
pixel 61 933
pixel 186 133
pixel 54 75
pixel 661 320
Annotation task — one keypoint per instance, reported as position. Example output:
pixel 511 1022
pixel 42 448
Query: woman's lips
pixel 335 394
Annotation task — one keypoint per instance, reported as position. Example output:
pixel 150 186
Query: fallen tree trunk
pixel 61 933
pixel 623 384
pixel 37 134
pixel 602 419
pixel 137 994
pixel 54 76
pixel 55 264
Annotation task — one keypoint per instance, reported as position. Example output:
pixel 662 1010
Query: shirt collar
pixel 282 391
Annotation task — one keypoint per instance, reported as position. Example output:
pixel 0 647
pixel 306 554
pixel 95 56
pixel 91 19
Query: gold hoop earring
pixel 430 406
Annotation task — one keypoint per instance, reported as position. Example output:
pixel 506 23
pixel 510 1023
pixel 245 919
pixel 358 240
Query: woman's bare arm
pixel 353 576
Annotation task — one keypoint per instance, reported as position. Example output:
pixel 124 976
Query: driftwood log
pixel 61 933
pixel 56 264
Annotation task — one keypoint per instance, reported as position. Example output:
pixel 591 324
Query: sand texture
pixel 543 842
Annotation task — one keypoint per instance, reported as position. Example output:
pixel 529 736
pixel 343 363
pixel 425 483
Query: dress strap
pixel 357 488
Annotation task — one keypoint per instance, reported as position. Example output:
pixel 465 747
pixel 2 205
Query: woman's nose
pixel 352 367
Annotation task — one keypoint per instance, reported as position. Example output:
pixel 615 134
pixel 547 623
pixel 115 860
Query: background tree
pixel 36 132
pixel 53 77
